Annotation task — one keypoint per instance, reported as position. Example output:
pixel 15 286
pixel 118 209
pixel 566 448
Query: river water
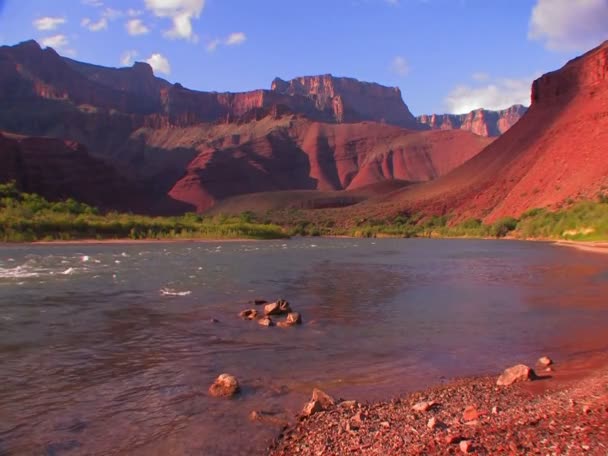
pixel 109 349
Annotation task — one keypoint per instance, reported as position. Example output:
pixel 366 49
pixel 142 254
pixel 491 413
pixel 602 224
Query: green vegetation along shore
pixel 580 221
pixel 27 217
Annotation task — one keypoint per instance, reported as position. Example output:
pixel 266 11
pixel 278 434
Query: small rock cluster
pixel 270 310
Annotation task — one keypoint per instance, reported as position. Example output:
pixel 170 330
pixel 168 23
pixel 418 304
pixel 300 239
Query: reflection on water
pixel 109 349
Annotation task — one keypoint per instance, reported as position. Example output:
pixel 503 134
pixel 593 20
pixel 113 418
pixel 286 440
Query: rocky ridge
pixel 482 122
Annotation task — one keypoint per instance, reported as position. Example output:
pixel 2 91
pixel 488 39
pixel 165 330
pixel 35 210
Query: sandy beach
pixel 594 247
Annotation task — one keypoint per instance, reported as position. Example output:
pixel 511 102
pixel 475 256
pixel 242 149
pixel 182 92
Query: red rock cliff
pixel 350 100
pixel 481 121
pixel 554 155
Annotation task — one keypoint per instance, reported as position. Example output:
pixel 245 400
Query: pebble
pixel 423 406
pixel 465 446
pixel 470 413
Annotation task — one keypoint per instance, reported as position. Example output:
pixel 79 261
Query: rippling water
pixel 109 349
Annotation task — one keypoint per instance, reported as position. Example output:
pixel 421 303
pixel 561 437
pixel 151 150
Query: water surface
pixel 109 349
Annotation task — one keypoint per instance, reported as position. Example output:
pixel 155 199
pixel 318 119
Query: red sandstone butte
pixel 555 154
pixel 480 121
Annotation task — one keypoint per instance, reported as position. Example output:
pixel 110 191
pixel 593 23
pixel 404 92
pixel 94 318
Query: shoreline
pixel 565 411
pixel 590 246
pixel 123 241
pixel 586 246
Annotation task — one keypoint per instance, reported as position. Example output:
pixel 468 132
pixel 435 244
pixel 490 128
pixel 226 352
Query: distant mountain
pixel 482 122
pixel 557 153
pixel 316 132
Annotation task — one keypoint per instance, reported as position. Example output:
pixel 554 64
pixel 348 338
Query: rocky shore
pixel 558 413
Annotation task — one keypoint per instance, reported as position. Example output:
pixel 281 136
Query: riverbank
pixel 595 247
pixel 136 241
pixel 565 411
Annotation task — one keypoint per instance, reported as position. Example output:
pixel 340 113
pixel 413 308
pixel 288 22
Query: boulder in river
pixel 294 318
pixel 515 374
pixel 225 385
pixel 248 314
pixel 281 307
pixel 265 321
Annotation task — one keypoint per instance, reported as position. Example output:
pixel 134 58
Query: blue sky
pixel 445 55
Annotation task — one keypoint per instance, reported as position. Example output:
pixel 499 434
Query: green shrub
pixel 503 226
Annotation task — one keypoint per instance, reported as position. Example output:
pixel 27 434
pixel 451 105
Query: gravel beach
pixel 557 414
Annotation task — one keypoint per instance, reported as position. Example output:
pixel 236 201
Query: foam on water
pixel 172 292
pixel 18 272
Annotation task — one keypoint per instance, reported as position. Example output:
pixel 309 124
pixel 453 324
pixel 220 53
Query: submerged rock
pixel 225 385
pixel 515 374
pixel 248 314
pixel 281 307
pixel 294 318
pixel 265 321
pixel 262 416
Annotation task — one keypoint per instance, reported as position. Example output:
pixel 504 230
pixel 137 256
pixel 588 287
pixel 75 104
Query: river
pixel 109 349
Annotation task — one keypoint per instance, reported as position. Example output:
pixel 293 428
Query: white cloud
pixel 569 25
pixel 498 94
pixel 159 63
pixel 136 27
pixel 400 66
pixel 134 13
pixel 56 41
pixel 111 13
pixel 128 57
pixel 213 44
pixel 480 76
pixel 95 26
pixel 94 3
pixel 49 22
pixel 236 38
pixel 181 13
pixel 60 43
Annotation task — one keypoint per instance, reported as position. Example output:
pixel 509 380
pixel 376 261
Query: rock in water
pixel 265 321
pixel 258 302
pixel 294 318
pixel 545 361
pixel 515 374
pixel 225 385
pixel 281 307
pixel 248 314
